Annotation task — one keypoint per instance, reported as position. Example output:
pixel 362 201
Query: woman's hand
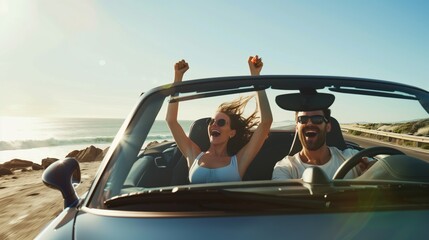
pixel 179 70
pixel 255 65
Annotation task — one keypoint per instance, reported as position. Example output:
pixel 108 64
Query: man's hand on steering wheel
pixel 365 163
pixel 359 158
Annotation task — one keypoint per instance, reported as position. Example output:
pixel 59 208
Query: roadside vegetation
pixel 416 128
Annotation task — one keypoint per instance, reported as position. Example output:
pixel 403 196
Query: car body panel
pixel 62 227
pixel 354 225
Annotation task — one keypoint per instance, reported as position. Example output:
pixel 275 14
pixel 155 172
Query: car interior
pixel 164 165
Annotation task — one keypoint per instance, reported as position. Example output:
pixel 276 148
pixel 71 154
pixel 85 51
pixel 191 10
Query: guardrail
pixel 416 141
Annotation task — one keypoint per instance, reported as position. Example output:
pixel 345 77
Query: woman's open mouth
pixel 215 133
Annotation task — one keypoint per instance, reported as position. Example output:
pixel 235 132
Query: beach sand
pixel 27 205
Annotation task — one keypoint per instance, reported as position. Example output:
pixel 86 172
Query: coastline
pixel 37 154
pixel 27 205
pixel 35 138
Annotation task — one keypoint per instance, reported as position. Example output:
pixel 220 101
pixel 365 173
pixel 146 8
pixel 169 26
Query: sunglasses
pixel 220 122
pixel 316 119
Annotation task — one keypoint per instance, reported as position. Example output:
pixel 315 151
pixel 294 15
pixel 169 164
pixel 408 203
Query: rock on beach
pixel 89 154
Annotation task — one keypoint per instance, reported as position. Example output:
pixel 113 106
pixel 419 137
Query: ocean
pixel 34 139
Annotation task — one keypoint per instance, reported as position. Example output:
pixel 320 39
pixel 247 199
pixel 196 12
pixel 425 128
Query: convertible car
pixel 142 188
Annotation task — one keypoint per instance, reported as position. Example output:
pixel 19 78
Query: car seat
pixel 199 135
pixel 274 149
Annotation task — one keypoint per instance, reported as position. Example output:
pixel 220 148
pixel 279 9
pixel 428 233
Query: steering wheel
pixel 367 152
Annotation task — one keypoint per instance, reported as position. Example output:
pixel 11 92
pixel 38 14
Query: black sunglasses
pixel 220 122
pixel 316 119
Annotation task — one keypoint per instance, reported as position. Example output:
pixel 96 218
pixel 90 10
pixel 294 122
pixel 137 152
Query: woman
pixel 232 146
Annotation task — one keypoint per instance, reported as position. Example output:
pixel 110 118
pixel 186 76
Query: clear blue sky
pixel 93 58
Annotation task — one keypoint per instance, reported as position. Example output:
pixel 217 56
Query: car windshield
pixel 144 159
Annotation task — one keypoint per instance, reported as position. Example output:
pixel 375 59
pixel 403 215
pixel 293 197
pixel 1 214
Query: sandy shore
pixel 27 205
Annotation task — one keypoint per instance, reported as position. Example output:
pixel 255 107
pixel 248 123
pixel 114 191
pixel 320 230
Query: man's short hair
pixel 327 114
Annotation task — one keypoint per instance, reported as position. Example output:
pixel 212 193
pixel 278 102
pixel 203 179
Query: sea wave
pixel 52 142
pixel 158 137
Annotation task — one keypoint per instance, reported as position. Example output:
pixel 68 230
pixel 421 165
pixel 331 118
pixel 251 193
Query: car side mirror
pixel 63 175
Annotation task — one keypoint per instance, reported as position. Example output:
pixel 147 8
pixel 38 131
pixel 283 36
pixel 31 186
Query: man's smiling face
pixel 312 128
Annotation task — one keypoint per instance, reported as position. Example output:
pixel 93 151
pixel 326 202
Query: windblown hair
pixel 239 123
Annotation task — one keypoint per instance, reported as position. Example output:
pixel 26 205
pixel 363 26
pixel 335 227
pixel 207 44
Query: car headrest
pixel 199 135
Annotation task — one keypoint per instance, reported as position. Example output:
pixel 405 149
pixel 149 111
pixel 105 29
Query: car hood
pixel 260 226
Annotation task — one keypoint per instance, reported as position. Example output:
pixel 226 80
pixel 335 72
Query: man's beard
pixel 314 143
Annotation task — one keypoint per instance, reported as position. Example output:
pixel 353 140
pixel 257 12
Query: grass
pixel 411 128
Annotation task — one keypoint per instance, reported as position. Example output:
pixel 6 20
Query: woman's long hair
pixel 239 123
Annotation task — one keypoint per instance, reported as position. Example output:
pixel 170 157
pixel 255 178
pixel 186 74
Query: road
pixel 368 142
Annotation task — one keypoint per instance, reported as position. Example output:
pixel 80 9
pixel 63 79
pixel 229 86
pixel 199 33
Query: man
pixel 312 127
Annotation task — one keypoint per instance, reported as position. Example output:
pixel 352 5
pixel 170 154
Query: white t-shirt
pixel 291 167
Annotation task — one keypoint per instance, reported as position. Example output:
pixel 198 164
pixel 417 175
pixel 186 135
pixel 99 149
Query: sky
pixel 93 58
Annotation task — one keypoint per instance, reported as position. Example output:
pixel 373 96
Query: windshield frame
pixel 135 129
